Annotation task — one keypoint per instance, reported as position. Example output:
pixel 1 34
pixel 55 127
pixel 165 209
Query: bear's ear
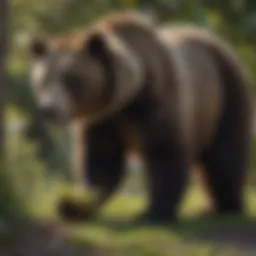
pixel 38 48
pixel 97 45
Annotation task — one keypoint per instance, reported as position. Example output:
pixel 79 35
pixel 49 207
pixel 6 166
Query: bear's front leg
pixel 103 169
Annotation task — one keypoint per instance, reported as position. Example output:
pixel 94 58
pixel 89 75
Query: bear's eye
pixel 73 85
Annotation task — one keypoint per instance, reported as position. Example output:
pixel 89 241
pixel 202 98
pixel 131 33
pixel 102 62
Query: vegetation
pixel 32 176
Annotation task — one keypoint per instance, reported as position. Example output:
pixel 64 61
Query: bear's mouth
pixel 52 116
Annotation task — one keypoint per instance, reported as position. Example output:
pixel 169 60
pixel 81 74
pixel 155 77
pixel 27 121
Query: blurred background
pixel 35 162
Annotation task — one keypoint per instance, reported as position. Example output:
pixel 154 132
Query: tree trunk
pixel 10 205
pixel 3 69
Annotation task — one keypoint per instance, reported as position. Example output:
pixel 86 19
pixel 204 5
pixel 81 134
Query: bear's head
pixel 83 77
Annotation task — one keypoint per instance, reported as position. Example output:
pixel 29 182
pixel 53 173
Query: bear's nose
pixel 48 114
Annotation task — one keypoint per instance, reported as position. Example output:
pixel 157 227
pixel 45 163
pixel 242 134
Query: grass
pixel 112 232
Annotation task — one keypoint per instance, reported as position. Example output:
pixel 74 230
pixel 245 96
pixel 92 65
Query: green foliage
pixel 48 148
pixel 11 207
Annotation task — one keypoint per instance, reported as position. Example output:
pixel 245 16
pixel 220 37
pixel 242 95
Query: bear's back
pixel 200 89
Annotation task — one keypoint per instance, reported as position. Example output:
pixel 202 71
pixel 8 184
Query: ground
pixel 111 233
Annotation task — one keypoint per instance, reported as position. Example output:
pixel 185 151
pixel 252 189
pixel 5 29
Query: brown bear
pixel 177 95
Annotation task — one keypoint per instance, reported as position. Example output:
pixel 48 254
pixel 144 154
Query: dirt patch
pixel 37 239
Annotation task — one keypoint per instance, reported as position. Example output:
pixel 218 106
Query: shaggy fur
pixel 179 93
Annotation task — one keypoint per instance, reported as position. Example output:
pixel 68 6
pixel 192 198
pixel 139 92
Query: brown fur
pixel 72 41
pixel 180 93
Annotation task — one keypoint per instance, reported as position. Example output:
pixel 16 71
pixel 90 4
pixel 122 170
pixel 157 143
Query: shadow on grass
pixel 237 232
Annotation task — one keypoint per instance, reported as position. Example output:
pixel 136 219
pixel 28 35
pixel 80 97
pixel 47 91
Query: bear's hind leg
pixel 167 168
pixel 225 168
pixel 226 161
